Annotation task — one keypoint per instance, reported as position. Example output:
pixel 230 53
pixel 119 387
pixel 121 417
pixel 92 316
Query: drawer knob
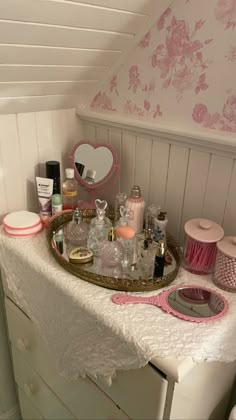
pixel 29 389
pixel 22 344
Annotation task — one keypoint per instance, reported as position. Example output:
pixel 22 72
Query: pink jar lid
pixel 228 246
pixel 204 230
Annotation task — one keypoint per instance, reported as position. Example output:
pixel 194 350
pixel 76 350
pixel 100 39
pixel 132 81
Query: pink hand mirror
pixel 191 303
pixel 96 168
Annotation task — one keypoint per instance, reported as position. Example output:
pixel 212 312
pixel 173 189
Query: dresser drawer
pixel 37 392
pixel 28 411
pixel 83 397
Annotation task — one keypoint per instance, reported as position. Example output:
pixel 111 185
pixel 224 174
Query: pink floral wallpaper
pixel 182 71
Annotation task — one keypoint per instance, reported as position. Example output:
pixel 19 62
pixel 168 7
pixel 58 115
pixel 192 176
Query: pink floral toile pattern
pixel 180 58
pixel 102 101
pixel 225 121
pixel 142 111
pixel 144 43
pixel 225 12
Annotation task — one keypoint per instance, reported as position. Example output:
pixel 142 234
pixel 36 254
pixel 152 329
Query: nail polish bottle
pixel 160 259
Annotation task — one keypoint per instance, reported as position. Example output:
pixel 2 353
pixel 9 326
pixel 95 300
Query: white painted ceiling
pixel 63 48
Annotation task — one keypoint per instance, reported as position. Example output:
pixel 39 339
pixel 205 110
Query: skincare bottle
pixel 53 172
pixel 90 176
pixel 160 224
pixel 76 231
pixel 69 190
pixel 159 259
pixel 56 204
pixel 112 251
pixel 136 204
pixel 119 202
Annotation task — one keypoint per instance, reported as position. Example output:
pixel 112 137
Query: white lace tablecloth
pixel 88 334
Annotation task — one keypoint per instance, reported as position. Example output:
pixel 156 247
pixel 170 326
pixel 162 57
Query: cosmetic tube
pixel 44 192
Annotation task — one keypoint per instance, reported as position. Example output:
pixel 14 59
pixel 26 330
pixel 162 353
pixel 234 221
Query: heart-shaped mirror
pixel 96 167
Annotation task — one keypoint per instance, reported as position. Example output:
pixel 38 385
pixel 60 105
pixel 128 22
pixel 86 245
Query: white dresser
pixel 164 389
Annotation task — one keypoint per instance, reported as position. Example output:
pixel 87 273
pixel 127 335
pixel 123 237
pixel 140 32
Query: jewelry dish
pixel 130 280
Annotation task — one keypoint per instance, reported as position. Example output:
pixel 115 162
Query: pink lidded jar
pixel 136 204
pixel 225 266
pixel 201 236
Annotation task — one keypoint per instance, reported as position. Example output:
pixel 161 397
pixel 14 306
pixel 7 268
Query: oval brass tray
pixel 124 284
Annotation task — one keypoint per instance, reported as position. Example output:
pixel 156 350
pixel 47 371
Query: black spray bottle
pixel 160 259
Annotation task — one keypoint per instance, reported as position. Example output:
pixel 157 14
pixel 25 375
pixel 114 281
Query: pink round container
pixel 201 236
pixel 225 265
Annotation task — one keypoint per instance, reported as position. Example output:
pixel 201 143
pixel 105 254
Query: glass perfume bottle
pixel 119 202
pixel 111 251
pixel 101 205
pixel 146 255
pixel 124 217
pixel 159 259
pixel 76 231
pixel 97 233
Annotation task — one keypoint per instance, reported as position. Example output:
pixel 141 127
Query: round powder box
pixel 22 224
pixel 225 265
pixel 80 255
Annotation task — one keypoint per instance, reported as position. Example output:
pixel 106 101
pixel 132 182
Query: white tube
pixel 44 191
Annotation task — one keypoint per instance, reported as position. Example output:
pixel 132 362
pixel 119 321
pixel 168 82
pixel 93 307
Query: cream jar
pixel 225 266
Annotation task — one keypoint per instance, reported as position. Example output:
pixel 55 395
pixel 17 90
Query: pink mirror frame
pixel 161 301
pixel 104 184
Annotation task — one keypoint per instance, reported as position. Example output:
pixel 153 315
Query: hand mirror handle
pixel 121 299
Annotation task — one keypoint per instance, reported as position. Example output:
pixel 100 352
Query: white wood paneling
pixel 69 14
pixel 197 176
pixel 187 180
pixel 218 183
pixel 27 141
pixel 26 124
pixel 13 89
pixel 142 165
pixel 59 36
pixel 39 103
pixel 50 73
pixel 159 167
pixel 62 34
pixel 176 180
pixel 38 55
pixel 139 6
pixel 128 146
pixel 12 169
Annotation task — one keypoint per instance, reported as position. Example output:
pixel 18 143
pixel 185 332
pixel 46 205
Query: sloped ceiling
pixel 54 51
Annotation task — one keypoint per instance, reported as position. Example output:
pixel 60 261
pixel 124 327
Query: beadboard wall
pixel 185 177
pixel 27 141
pixel 54 53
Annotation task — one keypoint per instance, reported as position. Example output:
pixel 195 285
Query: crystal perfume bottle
pixel 124 217
pixel 111 251
pixel 146 258
pixel 119 201
pixel 101 205
pixel 97 233
pixel 76 231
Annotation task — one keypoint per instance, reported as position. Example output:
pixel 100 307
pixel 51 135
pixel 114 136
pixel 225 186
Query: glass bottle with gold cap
pixel 112 250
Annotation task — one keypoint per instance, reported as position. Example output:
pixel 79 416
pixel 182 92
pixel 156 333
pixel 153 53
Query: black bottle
pixel 53 172
pixel 160 259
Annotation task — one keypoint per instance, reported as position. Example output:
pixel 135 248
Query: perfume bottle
pixel 160 224
pixel 136 204
pixel 97 233
pixel 111 251
pixel 150 216
pixel 159 259
pixel 146 258
pixel 124 217
pixel 76 231
pixel 119 202
pixel 126 236
pixel 101 205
